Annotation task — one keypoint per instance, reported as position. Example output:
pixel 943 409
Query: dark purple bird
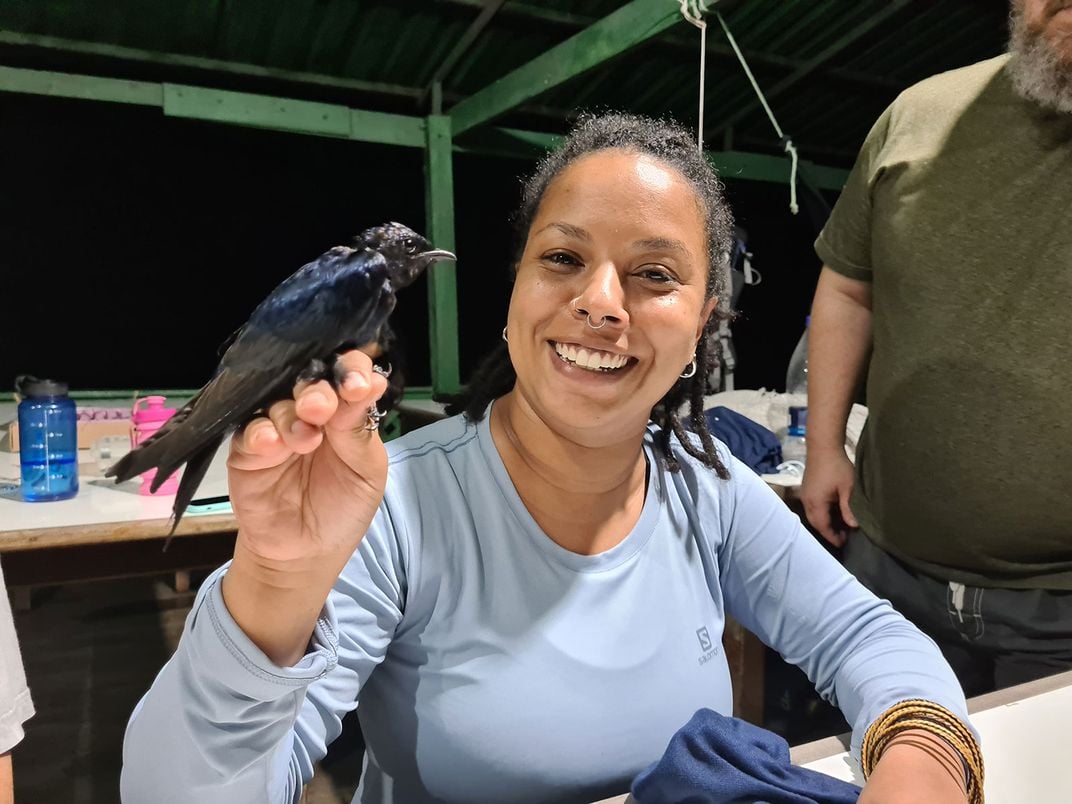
pixel 339 301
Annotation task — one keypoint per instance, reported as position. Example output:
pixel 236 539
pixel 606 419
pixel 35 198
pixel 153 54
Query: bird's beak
pixel 437 254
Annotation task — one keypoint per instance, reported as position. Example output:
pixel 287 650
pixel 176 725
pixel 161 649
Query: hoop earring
pixel 690 369
pixel 504 335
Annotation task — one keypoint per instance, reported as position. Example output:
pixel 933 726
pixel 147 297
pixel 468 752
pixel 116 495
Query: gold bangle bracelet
pixel 935 719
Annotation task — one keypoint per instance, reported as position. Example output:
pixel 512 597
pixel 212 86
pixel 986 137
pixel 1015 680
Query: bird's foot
pixel 318 370
pixel 338 373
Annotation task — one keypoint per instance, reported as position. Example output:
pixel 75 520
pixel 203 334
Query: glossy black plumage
pixel 339 301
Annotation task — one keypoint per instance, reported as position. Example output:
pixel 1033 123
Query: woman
pixel 532 606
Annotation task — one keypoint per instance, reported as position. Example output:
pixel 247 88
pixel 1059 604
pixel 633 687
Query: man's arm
pixel 7 783
pixel 839 342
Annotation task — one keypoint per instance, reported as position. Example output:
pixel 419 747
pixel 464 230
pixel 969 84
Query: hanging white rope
pixel 691 11
pixel 787 142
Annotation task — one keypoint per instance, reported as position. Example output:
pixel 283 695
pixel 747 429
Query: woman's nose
pixel 602 299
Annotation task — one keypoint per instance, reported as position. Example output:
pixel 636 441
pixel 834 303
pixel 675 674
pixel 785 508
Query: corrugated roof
pixel 829 66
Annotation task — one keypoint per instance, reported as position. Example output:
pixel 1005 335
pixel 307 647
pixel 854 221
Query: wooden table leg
pixel 182 581
pixel 745 655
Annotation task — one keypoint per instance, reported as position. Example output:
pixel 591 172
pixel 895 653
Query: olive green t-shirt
pixel 959 212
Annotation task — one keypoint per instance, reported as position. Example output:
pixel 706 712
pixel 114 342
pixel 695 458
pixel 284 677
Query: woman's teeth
pixel 590 359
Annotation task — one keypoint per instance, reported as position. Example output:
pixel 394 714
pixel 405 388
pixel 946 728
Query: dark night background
pixel 132 244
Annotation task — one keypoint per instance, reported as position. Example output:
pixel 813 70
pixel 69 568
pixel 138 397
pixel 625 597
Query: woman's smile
pixel 590 358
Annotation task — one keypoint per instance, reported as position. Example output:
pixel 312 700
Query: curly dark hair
pixel 676 147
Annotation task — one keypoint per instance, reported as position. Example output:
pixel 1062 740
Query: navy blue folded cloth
pixel 714 759
pixel 750 442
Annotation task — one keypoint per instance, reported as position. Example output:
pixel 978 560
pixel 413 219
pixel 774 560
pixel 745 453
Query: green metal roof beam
pixel 733 165
pixel 296 116
pixel 617 32
pixel 123 53
pixel 507 142
pixel 80 87
pixel 304 117
pixel 223 106
pixel 257 111
pixel 815 62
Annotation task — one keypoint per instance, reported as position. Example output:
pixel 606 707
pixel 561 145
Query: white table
pixel 102 511
pixel 1027 750
pixel 106 531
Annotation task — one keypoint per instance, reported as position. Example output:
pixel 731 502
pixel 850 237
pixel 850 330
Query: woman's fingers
pixel 258 445
pixel 297 426
pixel 360 387
pixel 315 402
pixel 296 432
pixel 269 441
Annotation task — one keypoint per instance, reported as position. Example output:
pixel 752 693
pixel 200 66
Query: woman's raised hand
pixel 305 482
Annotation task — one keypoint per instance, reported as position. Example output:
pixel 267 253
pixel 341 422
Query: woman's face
pixel 620 236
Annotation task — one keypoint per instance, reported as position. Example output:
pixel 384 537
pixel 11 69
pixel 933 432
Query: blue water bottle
pixel 48 440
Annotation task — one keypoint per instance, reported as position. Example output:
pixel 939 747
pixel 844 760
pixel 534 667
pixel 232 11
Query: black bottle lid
pixel 28 386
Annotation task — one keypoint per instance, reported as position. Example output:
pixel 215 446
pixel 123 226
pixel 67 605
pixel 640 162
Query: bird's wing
pixel 341 297
pixel 230 339
pixel 331 301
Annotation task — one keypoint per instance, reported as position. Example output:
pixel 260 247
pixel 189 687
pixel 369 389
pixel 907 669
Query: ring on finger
pixel 373 417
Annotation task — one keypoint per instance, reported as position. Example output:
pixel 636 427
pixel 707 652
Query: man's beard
pixel 1038 71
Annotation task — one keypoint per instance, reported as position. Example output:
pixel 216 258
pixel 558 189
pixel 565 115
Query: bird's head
pixel 406 252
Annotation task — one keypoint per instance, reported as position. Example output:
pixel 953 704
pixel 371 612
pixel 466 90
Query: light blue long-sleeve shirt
pixel 493 665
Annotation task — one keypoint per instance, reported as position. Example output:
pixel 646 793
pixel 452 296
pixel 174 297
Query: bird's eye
pixel 409 244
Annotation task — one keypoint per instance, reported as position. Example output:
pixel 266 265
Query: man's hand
pixel 825 491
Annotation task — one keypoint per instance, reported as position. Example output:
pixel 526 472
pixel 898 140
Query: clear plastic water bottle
pixel 48 440
pixel 794 446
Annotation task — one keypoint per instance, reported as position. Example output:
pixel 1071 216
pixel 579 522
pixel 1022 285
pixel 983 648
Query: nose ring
pixel 587 316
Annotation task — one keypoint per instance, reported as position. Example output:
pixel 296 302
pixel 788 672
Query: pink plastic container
pixel 144 421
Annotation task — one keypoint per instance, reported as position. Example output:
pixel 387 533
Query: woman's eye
pixel 657 276
pixel 561 258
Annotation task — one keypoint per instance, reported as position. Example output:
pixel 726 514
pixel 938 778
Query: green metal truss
pixel 630 25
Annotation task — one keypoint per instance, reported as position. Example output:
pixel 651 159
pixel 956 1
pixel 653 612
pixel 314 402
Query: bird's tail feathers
pixel 142 458
pixel 192 476
pixel 149 454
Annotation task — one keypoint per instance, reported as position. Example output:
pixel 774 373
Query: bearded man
pixel 948 263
